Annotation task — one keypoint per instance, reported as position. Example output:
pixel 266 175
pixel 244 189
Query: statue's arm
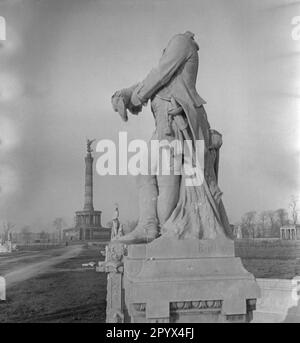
pixel 176 53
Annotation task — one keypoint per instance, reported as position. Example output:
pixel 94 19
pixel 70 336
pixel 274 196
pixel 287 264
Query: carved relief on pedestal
pixel 196 305
pixel 192 307
pixel 113 265
pixel 139 307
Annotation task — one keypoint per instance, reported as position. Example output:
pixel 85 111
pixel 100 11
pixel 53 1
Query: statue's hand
pixel 118 105
pixel 121 102
pixel 135 109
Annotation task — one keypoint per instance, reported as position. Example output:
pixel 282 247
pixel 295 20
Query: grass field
pixel 270 259
pixel 64 293
pixel 272 268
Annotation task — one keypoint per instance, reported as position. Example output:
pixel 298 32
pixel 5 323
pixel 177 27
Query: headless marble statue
pixel 169 205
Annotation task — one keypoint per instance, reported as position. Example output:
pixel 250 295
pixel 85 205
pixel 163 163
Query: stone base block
pixel 187 281
pixel 280 301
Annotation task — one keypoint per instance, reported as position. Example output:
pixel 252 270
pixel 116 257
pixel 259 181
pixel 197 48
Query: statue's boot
pixel 147 228
pixel 168 196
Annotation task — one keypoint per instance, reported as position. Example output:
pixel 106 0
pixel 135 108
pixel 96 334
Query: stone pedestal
pixel 187 281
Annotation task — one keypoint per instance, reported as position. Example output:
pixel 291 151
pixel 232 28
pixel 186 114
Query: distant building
pixel 290 232
pixel 72 234
pixel 29 237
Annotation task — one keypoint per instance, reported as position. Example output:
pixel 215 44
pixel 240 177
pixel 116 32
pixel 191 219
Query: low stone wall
pixel 279 303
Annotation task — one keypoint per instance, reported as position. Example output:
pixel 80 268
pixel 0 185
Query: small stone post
pixel 113 266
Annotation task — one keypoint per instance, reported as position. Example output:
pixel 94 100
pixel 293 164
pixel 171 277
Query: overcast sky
pixel 63 59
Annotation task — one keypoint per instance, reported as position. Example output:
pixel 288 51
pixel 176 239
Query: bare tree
pixel 25 233
pixel 58 223
pixel 264 220
pixel 274 226
pixel 43 236
pixel 248 223
pixel 294 209
pixel 7 226
pixel 282 216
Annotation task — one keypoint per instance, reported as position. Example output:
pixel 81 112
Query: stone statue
pixel 167 206
pixel 190 273
pixel 89 144
pixel 117 230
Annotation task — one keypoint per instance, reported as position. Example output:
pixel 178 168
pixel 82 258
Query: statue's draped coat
pixel 200 211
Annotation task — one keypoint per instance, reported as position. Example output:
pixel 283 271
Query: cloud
pixel 9 137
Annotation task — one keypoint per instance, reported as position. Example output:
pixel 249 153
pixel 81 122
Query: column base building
pixel 88 224
pixel 290 233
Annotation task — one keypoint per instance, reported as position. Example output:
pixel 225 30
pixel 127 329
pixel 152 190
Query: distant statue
pixel 114 229
pixel 117 229
pixel 89 144
pixel 121 231
pixel 177 205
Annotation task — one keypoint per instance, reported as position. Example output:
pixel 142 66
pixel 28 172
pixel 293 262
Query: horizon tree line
pixel 255 224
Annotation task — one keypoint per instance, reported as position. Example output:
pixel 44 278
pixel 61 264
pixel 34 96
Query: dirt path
pixel 34 269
